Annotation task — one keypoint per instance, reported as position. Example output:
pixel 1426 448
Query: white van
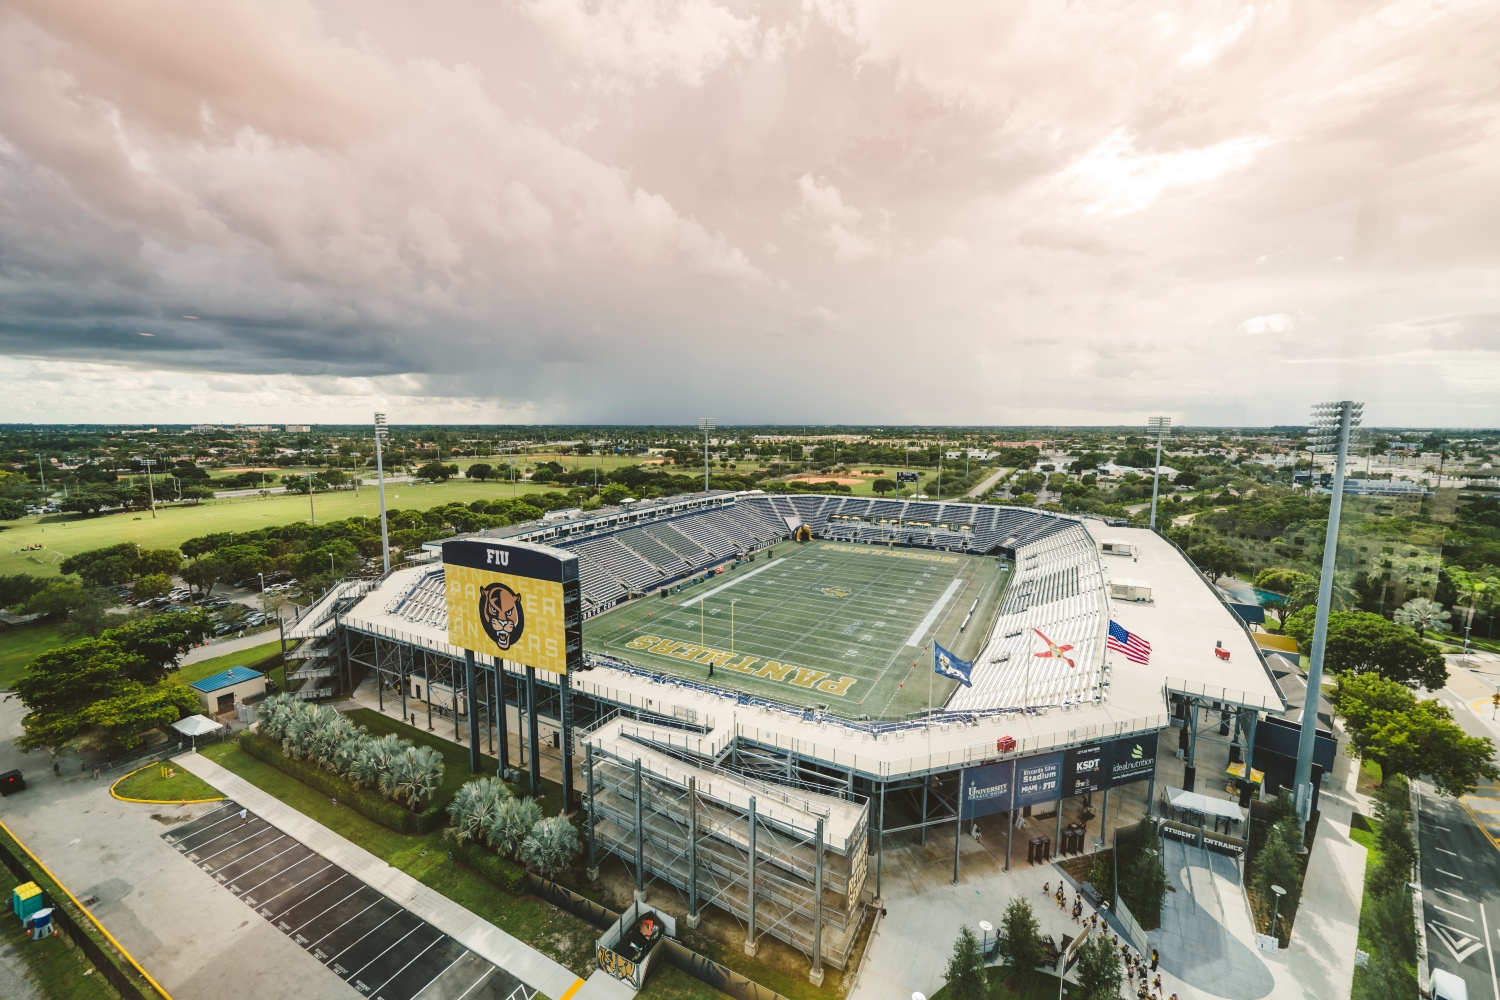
pixel 1447 986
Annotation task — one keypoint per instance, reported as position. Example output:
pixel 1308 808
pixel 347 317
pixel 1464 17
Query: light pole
pixel 731 628
pixel 1331 425
pixel 262 592
pixel 705 425
pixel 1159 425
pixel 385 541
pixel 150 484
pixel 1276 908
pixel 311 512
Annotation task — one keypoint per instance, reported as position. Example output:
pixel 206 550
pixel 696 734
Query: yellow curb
pixel 155 802
pixel 577 985
pixel 84 910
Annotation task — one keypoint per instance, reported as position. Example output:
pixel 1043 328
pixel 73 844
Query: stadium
pixel 754 721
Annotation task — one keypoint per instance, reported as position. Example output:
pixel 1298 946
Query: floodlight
pixel 1159 424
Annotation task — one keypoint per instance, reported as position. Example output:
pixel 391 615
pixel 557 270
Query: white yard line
pixel 725 586
pixel 937 609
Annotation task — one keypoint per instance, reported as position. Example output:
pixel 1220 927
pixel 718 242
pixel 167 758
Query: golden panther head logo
pixel 501 614
pixel 837 591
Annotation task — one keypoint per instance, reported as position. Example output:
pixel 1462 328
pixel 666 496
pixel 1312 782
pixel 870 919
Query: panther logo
pixel 501 614
pixel 836 591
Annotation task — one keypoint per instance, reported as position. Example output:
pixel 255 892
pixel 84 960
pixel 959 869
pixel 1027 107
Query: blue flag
pixel 945 663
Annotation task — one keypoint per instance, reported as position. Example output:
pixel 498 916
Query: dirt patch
pixel 171 819
pixel 841 480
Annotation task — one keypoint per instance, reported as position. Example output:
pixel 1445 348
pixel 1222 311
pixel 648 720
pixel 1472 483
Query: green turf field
pixel 62 536
pixel 823 623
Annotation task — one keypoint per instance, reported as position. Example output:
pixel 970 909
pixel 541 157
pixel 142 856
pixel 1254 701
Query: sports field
pixel 822 623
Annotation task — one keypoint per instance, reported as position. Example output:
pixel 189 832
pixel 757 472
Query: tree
pixel 1215 558
pixel 205 573
pixel 1362 642
pixel 1277 864
pixel 481 471
pixel 152 585
pixel 104 567
pixel 116 723
pixel 1422 613
pixel 89 500
pixel 85 608
pixel 243 562
pixel 966 976
pixel 18 588
pixel 1099 975
pixel 11 510
pixel 1021 938
pixel 436 471
pixel 161 640
pixel 883 486
pixel 1477 589
pixel 336 559
pixel 62 686
pixel 551 846
pixel 1280 580
pixel 1389 725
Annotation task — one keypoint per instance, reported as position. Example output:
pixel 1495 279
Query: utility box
pixel 1130 590
pixel 1111 547
pixel 25 900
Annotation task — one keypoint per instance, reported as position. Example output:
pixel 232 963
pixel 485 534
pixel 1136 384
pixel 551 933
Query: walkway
pixel 988 483
pixel 465 927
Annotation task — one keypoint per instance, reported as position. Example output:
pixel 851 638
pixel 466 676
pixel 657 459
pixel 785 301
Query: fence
pixel 123 983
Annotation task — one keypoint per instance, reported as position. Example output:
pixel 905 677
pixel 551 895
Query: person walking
pixel 244 816
pixel 1047 889
pixel 1154 959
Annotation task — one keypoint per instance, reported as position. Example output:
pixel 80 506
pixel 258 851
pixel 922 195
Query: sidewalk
pixel 469 930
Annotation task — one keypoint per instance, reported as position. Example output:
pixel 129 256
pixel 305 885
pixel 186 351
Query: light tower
pixel 1331 425
pixel 385 538
pixel 1159 425
pixel 705 425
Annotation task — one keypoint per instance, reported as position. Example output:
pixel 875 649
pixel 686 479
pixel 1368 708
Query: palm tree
pixel 415 774
pixel 473 808
pixel 1476 590
pixel 550 847
pixel 1422 613
pixel 274 714
pixel 513 820
pixel 374 762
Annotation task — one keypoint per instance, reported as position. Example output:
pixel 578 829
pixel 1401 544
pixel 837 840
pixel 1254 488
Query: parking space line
pixel 1451 913
pixel 1449 874
pixel 247 871
pixel 1455 895
pixel 340 926
pixel 242 857
pixel 227 833
pixel 283 871
pixel 417 995
pixel 413 960
pixel 366 934
pixel 475 985
pixel 294 885
pixel 245 857
pixel 343 875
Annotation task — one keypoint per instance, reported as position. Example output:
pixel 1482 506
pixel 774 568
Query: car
pixel 12 782
pixel 1447 986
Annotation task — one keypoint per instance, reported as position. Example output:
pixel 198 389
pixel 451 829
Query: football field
pixel 820 623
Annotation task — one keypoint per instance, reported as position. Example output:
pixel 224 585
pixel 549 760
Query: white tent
pixel 194 726
pixel 1205 804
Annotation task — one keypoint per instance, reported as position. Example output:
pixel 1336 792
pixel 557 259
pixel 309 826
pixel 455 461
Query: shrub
pixel 966 976
pixel 513 820
pixel 551 846
pixel 504 873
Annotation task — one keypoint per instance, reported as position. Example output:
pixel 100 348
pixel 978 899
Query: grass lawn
pixel 56 969
pixel 65 535
pixel 822 613
pixel 148 783
pixel 243 658
pixel 556 934
pixel 20 643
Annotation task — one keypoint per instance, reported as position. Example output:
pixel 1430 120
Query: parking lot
pixel 377 947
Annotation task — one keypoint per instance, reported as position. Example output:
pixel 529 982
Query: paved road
pixel 983 489
pixel 1460 869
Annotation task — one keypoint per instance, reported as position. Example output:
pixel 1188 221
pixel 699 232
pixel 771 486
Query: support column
pixel 427 683
pixel 816 975
pixel 504 716
pixel 880 843
pixel 588 774
pixel 750 883
pixel 453 687
pixel 471 709
pixel 692 845
pixel 1192 732
pixel 640 837
pixel 401 669
pixel 1250 750
pixel 922 834
pixel 531 732
pixel 1104 816
pixel 958 824
pixel 565 735
pixel 1057 840
pixel 379 678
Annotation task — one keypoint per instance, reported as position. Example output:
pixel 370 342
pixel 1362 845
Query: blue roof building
pixel 232 677
pixel 219 693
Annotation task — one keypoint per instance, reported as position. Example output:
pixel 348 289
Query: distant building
pixel 219 693
pixel 299 428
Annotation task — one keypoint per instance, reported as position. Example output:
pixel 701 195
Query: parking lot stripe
pixel 250 854
pixel 335 930
pixel 238 843
pixel 285 850
pixel 315 895
pixel 283 871
pixel 417 995
pixel 294 885
pixel 414 958
pixel 1451 913
pixel 366 934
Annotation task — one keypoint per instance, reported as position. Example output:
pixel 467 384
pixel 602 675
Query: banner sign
pixel 1083 769
pixel 1130 759
pixel 1039 779
pixel 906 477
pixel 945 663
pixel 513 600
pixel 987 789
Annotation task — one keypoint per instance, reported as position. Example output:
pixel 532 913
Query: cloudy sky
pixel 812 210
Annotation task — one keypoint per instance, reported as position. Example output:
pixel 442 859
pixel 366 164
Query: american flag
pixel 1135 648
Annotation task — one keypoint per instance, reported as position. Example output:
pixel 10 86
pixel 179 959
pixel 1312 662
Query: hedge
pixel 505 873
pixel 363 801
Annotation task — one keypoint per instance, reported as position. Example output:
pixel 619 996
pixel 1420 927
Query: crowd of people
pixel 1140 972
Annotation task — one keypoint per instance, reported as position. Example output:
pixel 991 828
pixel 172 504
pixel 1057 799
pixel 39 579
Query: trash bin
pixel 25 900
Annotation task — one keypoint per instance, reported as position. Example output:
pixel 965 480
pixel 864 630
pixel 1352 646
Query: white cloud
pixel 1256 326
